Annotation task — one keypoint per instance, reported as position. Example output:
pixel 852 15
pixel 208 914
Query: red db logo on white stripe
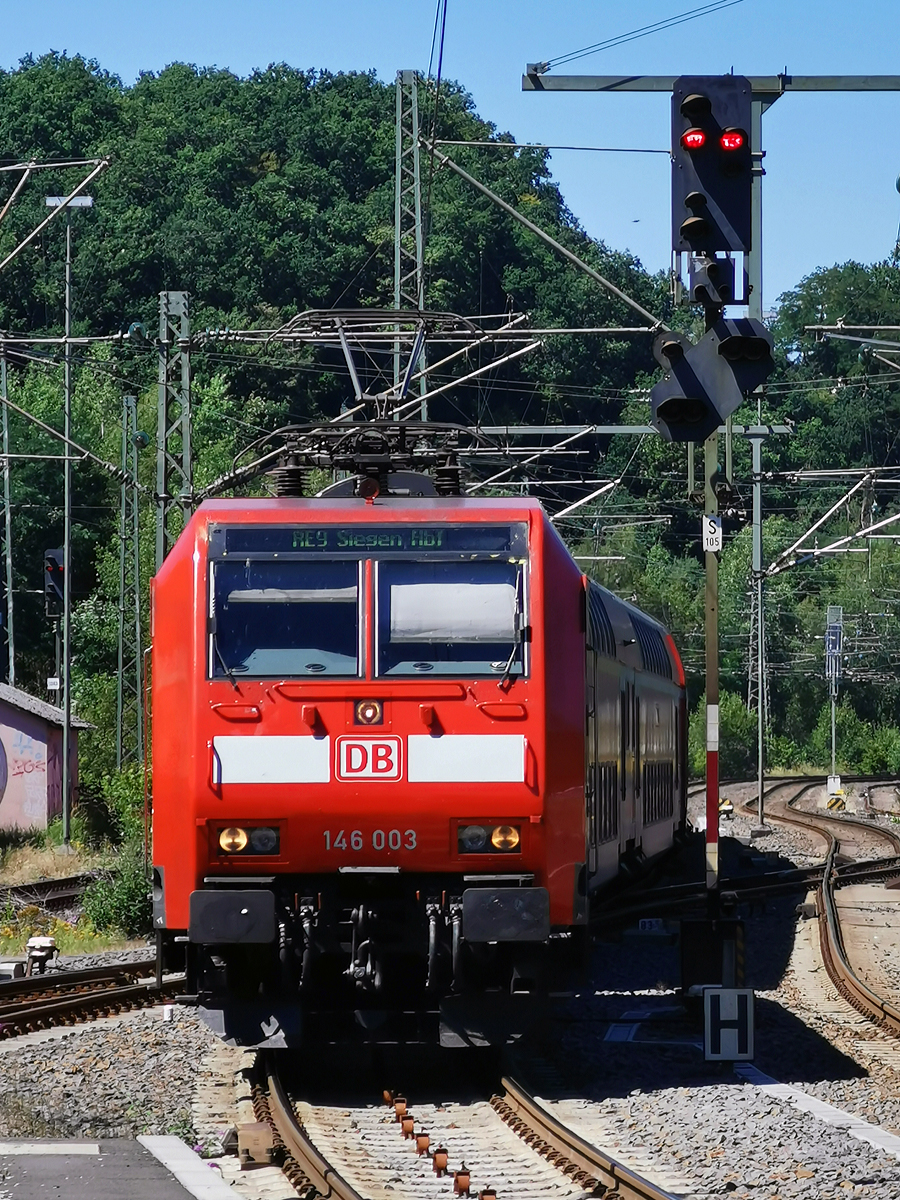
pixel 368 758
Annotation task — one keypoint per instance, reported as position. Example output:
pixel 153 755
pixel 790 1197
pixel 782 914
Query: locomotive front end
pixel 353 807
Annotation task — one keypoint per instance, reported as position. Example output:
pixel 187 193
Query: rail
pixel 857 993
pixel 53 981
pixel 840 971
pixel 310 1172
pixel 27 1005
pixel 304 1165
pixel 573 1155
pixel 48 892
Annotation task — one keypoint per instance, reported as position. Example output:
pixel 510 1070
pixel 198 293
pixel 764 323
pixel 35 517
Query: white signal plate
pixel 712 533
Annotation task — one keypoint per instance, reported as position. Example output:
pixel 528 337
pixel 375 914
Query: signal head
pixel 695 106
pixel 712 167
pixel 693 139
pixel 732 139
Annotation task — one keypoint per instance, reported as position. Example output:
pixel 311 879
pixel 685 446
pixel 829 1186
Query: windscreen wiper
pixel 522 634
pixel 504 679
pixel 225 667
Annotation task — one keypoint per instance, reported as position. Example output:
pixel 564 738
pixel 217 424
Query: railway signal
pixel 711 164
pixel 54 582
pixel 708 380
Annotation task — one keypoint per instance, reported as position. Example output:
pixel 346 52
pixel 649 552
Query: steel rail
pixel 305 1160
pixel 831 940
pixel 840 971
pixel 819 822
pixel 633 900
pixel 48 891
pixel 28 1016
pixel 574 1156
pixel 51 981
pixel 677 897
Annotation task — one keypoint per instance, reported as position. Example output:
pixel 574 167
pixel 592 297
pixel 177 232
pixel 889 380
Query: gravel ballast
pixel 732 1139
pixel 133 1075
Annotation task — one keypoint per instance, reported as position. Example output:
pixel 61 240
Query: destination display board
pixel 363 540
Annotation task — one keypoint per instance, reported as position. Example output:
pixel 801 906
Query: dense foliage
pixel 268 195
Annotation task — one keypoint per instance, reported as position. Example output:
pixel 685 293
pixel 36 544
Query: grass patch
pixel 82 937
pixel 16 839
pixel 106 836
pixel 28 863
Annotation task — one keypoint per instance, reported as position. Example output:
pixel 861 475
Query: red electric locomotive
pixel 398 741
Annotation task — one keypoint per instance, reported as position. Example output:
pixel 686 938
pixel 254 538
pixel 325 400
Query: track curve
pixel 846 980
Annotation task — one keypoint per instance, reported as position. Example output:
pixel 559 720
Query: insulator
pixel 289 480
pixel 447 479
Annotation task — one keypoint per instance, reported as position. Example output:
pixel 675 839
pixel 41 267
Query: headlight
pixel 233 840
pixel 488 839
pixel 472 838
pixel 368 712
pixel 505 837
pixel 264 841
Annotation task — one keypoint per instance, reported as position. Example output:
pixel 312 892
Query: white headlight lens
pixel 505 837
pixel 233 840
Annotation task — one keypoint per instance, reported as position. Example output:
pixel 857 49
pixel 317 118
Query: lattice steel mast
pixel 7 529
pixel 129 695
pixel 409 241
pixel 174 472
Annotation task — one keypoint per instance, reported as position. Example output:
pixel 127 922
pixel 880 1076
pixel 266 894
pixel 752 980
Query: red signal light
pixel 733 139
pixel 693 139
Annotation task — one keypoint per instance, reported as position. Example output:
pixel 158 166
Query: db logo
pixel 368 758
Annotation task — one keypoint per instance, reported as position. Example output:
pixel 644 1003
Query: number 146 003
pixel 378 839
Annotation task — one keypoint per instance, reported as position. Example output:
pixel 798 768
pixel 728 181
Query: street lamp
pixel 70 202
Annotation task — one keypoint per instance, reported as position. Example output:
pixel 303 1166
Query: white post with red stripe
pixel 712 544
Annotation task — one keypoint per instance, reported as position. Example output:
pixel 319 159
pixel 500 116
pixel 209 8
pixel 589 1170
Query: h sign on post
pixel 727 1024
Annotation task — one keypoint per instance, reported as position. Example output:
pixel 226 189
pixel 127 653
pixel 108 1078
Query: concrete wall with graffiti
pixel 30 769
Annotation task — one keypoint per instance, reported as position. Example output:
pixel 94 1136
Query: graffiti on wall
pixel 23 777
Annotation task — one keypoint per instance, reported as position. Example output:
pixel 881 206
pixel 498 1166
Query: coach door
pixel 592 770
pixel 629 721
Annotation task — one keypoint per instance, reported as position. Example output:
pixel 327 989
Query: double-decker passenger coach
pixel 398 741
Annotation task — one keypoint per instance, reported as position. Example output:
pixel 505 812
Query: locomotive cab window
pixel 450 618
pixel 285 618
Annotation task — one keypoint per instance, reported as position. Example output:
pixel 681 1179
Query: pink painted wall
pixel 31 769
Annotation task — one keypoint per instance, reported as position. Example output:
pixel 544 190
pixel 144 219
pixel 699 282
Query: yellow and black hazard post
pixel 726 808
pixel 836 803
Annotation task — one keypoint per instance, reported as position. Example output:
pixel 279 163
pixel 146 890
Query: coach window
pixel 450 618
pixel 290 618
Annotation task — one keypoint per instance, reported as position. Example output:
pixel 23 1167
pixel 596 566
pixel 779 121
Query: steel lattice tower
pixel 409 241
pixel 754 655
pixel 129 696
pixel 174 473
pixel 6 531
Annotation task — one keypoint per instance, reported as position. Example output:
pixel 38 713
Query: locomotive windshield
pixel 449 618
pixel 288 601
pixel 284 618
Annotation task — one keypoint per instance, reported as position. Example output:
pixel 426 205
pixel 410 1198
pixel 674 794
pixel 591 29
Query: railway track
pixel 837 963
pixel 832 829
pixel 48 893
pixel 66 998
pixel 677 898
pixel 591 1170
pixel 599 1172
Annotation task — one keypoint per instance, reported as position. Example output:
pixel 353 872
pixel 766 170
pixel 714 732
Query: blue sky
pixel 832 160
